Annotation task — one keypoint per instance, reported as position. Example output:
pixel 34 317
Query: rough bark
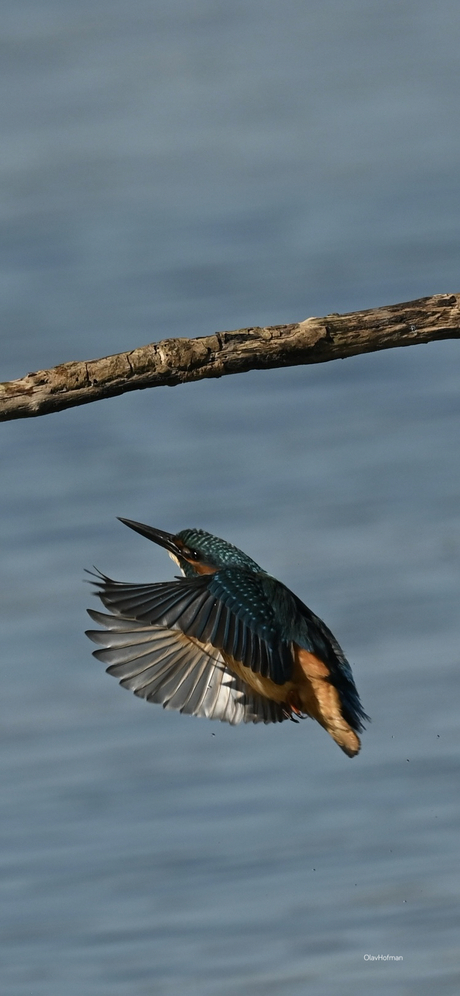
pixel 176 361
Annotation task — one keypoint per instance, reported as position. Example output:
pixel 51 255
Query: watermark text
pixel 381 957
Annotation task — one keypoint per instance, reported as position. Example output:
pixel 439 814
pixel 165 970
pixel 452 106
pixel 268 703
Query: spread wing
pixel 229 610
pixel 163 665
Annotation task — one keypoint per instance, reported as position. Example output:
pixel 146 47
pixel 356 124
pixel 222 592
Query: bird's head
pixel 196 551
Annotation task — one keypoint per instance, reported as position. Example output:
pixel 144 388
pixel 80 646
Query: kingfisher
pixel 225 641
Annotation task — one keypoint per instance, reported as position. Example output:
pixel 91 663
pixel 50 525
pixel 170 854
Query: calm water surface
pixel 178 168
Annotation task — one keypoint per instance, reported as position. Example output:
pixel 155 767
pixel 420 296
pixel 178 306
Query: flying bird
pixel 226 641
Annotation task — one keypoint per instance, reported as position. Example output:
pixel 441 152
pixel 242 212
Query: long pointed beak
pixel 167 540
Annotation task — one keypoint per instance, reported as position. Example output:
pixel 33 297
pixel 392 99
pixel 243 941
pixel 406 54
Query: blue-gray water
pixel 175 168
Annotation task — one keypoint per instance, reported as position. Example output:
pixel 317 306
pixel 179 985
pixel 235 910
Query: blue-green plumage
pixel 216 552
pixel 236 621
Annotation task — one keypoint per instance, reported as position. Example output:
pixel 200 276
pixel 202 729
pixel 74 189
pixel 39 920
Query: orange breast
pixel 263 686
pixel 321 700
pixel 309 691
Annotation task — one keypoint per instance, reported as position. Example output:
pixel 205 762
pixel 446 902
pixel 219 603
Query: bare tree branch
pixel 176 361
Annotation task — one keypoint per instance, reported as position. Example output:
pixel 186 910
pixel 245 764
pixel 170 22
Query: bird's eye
pixel 192 554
